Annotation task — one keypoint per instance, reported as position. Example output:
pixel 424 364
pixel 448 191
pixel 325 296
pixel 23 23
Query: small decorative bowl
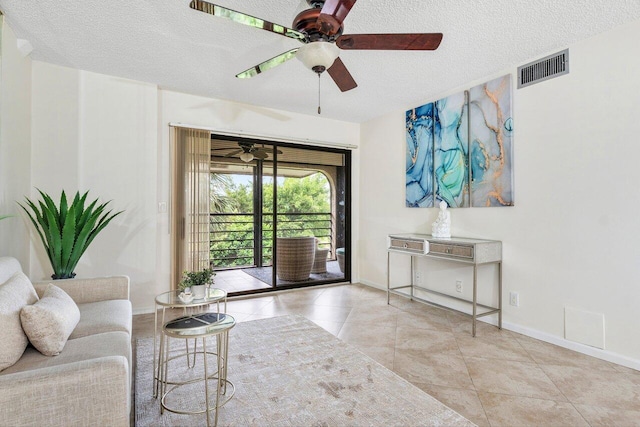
pixel 185 298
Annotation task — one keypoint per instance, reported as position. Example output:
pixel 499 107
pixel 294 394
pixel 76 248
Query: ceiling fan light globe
pixel 246 157
pixel 318 54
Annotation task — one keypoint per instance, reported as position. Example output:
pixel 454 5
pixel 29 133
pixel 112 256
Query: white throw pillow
pixel 49 322
pixel 15 293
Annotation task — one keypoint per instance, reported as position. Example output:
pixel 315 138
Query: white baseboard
pixel 580 348
pixel 372 284
pixel 148 310
pixel 552 339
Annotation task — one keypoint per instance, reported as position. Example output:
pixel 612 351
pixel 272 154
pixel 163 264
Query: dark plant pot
pixel 70 276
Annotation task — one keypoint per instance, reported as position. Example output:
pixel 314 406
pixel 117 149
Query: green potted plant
pixel 67 230
pixel 196 282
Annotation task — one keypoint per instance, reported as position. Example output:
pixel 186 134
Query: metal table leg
pixel 500 295
pixel 475 299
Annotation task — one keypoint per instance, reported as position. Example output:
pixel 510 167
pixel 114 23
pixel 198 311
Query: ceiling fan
pixel 248 151
pixel 320 29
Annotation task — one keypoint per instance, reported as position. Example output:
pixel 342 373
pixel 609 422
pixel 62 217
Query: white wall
pixel 99 133
pixel 15 151
pixel 111 136
pixel 571 239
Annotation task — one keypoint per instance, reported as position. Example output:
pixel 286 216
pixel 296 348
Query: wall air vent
pixel 544 69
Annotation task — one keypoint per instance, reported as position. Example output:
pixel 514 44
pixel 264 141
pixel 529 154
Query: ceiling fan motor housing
pixel 247 147
pixel 306 22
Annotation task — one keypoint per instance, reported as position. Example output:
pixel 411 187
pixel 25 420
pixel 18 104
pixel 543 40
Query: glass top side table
pixel 171 299
pixel 201 325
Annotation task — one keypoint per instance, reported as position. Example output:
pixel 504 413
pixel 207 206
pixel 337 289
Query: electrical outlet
pixel 514 299
pixel 418 278
pixel 458 285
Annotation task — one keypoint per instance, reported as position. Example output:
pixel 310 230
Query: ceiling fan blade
pixel 233 153
pixel 341 76
pixel 241 18
pixel 268 150
pixel 332 15
pixel 259 154
pixel 268 64
pixel 417 41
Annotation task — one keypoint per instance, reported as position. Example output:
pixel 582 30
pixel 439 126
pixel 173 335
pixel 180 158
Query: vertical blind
pixel 190 152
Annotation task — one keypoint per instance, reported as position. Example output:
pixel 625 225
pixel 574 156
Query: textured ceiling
pixel 167 43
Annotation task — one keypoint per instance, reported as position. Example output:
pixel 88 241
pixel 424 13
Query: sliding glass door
pixel 279 215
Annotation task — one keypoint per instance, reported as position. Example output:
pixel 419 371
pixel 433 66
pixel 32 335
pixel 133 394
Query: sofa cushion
pixel 8 267
pixel 103 316
pixel 15 293
pixel 49 322
pixel 85 348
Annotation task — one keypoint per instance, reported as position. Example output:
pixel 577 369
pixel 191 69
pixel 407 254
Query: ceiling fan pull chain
pixel 319 110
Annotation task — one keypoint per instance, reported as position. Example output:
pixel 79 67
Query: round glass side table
pixel 197 326
pixel 170 300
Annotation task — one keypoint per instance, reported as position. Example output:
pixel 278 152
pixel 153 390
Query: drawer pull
pixel 405 245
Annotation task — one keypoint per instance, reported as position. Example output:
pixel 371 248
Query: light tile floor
pixel 499 378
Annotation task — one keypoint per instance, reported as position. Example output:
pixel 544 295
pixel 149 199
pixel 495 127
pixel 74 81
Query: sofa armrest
pixel 90 290
pixel 90 392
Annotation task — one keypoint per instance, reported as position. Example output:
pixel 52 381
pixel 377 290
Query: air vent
pixel 544 69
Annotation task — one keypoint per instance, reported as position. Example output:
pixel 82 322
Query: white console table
pixel 475 252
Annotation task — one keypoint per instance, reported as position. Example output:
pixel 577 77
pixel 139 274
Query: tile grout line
pixel 560 390
pixel 464 359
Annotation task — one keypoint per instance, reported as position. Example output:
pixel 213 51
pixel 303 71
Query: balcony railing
pixel 234 239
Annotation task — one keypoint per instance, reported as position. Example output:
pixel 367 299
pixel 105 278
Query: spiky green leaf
pixel 51 206
pixel 68 238
pixel 63 209
pixel 101 225
pixel 35 222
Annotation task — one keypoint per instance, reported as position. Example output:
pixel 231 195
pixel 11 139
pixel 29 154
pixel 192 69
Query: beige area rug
pixel 289 372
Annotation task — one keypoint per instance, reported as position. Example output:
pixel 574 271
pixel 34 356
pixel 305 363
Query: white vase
pixel 199 291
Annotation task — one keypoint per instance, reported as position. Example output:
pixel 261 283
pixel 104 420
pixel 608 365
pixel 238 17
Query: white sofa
pixel 89 382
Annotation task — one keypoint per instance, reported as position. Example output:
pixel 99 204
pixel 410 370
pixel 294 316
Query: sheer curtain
pixel 191 155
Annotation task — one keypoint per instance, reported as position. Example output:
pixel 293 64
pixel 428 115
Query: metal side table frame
pixel 170 299
pixel 198 326
pixel 473 252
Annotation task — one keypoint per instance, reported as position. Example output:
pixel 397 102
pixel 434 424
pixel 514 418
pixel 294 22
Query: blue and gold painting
pixel 491 143
pixel 451 149
pixel 419 156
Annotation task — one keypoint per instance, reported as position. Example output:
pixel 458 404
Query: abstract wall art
pixel 490 136
pixel 460 149
pixel 451 151
pixel 419 157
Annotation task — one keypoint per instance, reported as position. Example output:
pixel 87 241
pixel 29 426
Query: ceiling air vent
pixel 544 69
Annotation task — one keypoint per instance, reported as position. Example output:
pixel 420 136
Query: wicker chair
pixel 295 256
pixel 320 261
